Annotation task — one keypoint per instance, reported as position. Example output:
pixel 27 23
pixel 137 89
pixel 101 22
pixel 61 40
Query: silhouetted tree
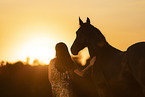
pixel 2 63
pixel 28 60
pixel 36 62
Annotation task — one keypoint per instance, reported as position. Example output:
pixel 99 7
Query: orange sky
pixel 33 27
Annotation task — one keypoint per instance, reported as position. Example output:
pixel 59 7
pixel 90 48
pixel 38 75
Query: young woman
pixel 62 69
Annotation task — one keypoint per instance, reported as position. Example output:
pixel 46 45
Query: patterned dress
pixel 59 81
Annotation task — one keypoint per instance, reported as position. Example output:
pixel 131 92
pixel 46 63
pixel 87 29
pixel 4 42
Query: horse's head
pixel 86 35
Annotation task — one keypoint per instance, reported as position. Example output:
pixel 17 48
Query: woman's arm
pixel 49 70
pixel 81 72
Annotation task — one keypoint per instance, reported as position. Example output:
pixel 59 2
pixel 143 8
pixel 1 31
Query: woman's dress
pixel 59 81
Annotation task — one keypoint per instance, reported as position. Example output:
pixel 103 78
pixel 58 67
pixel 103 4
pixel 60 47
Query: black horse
pixel 115 73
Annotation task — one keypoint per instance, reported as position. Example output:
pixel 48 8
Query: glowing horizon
pixel 30 24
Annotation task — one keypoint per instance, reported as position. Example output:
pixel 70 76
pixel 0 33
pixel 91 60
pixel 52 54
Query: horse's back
pixel 136 56
pixel 136 62
pixel 136 48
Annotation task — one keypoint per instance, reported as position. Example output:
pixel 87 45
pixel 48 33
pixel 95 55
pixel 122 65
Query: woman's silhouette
pixel 62 70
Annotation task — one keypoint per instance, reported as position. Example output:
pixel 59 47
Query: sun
pixel 37 42
pixel 41 48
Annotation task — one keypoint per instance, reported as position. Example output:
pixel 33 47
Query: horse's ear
pixel 80 21
pixel 88 20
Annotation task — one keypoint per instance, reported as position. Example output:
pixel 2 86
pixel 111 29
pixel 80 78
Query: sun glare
pixel 37 41
pixel 39 48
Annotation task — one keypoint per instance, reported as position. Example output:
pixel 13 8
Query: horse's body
pixel 115 73
pixel 136 62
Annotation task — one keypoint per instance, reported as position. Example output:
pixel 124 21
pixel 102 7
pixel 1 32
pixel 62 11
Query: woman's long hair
pixel 63 59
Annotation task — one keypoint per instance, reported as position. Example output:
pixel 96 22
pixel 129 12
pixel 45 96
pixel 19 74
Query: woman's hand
pixel 82 72
pixel 92 61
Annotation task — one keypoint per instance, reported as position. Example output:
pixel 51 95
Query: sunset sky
pixel 33 27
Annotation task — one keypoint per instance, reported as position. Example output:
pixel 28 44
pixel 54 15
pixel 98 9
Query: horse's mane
pixel 97 31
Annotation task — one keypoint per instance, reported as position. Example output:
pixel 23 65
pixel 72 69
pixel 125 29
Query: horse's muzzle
pixel 73 51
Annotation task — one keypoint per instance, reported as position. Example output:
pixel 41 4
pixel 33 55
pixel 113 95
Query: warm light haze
pixel 33 27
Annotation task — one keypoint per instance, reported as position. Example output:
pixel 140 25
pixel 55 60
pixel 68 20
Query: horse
pixel 136 62
pixel 115 73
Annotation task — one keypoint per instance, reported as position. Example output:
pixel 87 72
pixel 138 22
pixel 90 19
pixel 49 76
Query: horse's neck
pixel 109 58
pixel 105 51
